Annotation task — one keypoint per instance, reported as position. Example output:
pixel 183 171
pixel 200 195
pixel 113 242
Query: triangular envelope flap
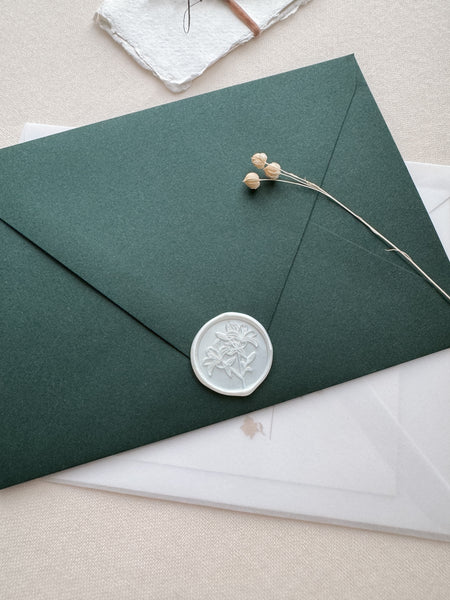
pixel 150 208
pixel 414 319
pixel 380 190
pixel 349 307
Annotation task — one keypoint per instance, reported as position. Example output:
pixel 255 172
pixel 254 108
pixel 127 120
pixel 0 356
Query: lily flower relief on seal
pixel 238 333
pixel 214 358
pixel 229 351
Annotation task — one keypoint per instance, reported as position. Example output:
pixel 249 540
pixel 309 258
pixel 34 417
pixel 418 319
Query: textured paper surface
pixel 115 220
pixel 151 31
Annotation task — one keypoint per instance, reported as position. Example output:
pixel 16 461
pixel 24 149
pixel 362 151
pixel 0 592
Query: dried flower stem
pixel 300 181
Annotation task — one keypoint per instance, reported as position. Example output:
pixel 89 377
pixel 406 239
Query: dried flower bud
pixel 259 160
pixel 251 180
pixel 272 170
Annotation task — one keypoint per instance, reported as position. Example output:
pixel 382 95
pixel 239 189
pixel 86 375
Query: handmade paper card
pixel 178 40
pixel 131 234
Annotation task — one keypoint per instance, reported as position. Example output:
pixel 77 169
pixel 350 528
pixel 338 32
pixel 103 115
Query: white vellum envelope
pixel 373 452
pixel 153 32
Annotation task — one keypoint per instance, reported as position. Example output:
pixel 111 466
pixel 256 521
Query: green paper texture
pixel 119 240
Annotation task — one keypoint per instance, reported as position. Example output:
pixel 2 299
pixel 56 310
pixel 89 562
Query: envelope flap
pixel 361 308
pixel 150 210
pixel 396 210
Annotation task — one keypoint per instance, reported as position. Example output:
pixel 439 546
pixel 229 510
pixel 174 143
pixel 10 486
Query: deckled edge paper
pixel 152 32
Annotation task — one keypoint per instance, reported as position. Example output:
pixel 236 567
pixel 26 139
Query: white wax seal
pixel 232 354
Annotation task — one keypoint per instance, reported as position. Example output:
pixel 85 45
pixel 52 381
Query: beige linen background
pixel 59 542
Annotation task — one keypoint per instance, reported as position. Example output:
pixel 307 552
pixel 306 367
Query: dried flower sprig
pixel 273 171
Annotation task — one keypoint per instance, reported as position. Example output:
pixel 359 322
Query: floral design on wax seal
pixel 232 354
pixel 229 351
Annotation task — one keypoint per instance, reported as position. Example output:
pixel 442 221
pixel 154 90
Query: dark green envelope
pixel 121 239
